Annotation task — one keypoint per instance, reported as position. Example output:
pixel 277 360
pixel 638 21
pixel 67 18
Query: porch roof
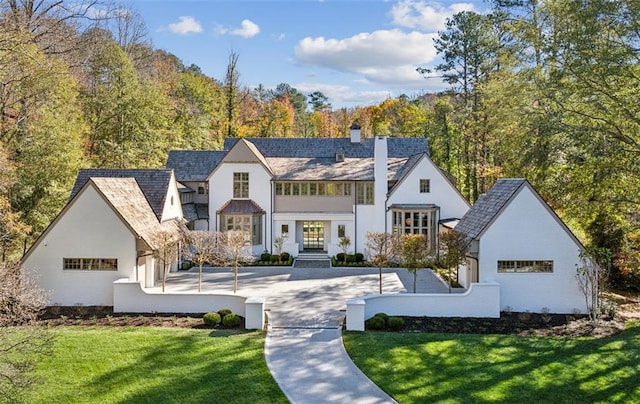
pixel 241 206
pixel 414 206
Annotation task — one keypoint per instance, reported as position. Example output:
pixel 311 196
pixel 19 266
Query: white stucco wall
pixel 443 193
pixel 526 230
pixel 89 228
pixel 172 205
pixel 221 191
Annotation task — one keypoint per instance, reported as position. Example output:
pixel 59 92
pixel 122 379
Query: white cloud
pixel 386 56
pixel 425 15
pixel 342 94
pixel 248 29
pixel 187 25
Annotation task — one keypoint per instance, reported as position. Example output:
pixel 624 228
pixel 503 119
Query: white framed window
pixel 240 185
pixel 90 264
pixel 524 266
pixel 425 185
pixel 364 191
pixel 250 224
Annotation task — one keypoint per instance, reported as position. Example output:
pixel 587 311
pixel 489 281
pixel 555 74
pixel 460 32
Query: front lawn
pixel 456 368
pixel 154 365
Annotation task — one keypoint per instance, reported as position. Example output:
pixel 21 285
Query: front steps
pixel 312 260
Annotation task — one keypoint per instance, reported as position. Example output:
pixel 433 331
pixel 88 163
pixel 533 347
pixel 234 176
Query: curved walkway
pixel 305 309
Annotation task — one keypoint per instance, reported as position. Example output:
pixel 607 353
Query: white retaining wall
pixel 481 300
pixel 129 297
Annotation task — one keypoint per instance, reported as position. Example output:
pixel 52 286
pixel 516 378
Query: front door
pixel 313 236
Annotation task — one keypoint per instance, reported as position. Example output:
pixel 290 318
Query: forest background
pixel 548 90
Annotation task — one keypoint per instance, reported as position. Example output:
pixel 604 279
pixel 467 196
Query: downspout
pixel 355 216
pixel 273 202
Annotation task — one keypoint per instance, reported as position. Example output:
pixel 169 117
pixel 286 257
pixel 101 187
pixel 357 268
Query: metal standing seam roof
pixel 193 165
pixel 154 183
pixel 488 206
pixel 240 206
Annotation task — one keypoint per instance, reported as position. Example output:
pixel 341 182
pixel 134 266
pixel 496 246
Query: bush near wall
pixel 349 260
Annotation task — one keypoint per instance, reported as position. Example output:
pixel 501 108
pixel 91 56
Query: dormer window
pixel 339 157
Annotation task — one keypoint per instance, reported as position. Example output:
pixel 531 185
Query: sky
pixel 354 52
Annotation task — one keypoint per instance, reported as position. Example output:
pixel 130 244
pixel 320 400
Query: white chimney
pixel 381 186
pixel 355 133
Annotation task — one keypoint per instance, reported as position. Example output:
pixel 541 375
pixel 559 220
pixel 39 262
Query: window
pixel 278 188
pixel 91 264
pixel 416 222
pixel 328 188
pixel 203 189
pixel 425 186
pixel 364 191
pixel 240 185
pixel 284 229
pixel 341 230
pixel 251 224
pixel 525 266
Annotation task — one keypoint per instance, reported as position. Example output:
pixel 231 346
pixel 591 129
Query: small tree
pixel 455 246
pixel 344 244
pixel 232 249
pixel 21 340
pixel 167 249
pixel 200 248
pixel 591 276
pixel 381 250
pixel 414 254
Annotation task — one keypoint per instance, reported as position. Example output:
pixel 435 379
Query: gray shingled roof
pixel 153 183
pixel 328 147
pixel 474 222
pixel 127 199
pixel 193 165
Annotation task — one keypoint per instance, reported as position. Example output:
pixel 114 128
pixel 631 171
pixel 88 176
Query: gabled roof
pixel 154 184
pixel 240 206
pixel 193 165
pixel 328 147
pixel 313 169
pixel 488 206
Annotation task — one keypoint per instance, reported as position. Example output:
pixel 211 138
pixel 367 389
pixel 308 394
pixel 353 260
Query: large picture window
pixel 416 222
pixel 251 224
pixel 364 191
pixel 317 188
pixel 240 185
pixel 525 266
pixel 91 264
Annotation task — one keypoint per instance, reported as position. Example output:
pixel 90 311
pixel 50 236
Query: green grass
pixel 154 365
pixel 430 368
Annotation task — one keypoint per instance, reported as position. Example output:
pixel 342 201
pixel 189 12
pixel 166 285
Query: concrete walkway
pixel 306 309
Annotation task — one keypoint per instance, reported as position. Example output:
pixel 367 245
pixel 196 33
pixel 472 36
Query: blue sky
pixel 355 52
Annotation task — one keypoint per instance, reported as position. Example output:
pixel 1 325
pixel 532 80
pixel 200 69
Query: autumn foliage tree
pixel 382 249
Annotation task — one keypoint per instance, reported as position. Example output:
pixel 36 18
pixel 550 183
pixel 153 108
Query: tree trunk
pixel 380 277
pixel 235 277
pixel 200 279
pixel 415 280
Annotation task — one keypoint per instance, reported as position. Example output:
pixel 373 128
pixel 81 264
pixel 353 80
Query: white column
pixel 355 314
pixel 254 313
pixel 381 186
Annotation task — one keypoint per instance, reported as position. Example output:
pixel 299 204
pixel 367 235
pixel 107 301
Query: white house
pixel 519 242
pixel 108 230
pixel 318 190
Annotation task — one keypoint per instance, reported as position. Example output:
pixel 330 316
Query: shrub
pixel 375 323
pixel 274 258
pixel 395 323
pixel 340 257
pixel 284 257
pixel 359 257
pixel 223 313
pixel 265 256
pixel 384 316
pixel 211 319
pixel 231 320
pixel 351 258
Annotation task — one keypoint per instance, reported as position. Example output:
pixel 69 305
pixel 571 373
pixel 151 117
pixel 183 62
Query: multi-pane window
pixel 525 266
pixel 250 224
pixel 92 264
pixel 416 222
pixel 425 186
pixel 341 230
pixel 364 192
pixel 203 189
pixel 317 188
pixel 240 185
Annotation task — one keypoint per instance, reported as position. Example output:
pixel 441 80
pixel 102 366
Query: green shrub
pixel 395 323
pixel 224 312
pixel 359 257
pixel 375 323
pixel 340 257
pixel 231 320
pixel 211 319
pixel 284 257
pixel 265 256
pixel 351 258
pixel 274 258
pixel 384 316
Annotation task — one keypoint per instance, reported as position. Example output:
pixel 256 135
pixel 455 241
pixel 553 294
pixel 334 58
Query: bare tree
pixel 591 276
pixel 200 247
pixel 233 249
pixel 455 246
pixel 167 249
pixel 21 340
pixel 382 249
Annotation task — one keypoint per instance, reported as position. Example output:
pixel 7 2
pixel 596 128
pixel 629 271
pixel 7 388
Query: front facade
pixel 315 192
